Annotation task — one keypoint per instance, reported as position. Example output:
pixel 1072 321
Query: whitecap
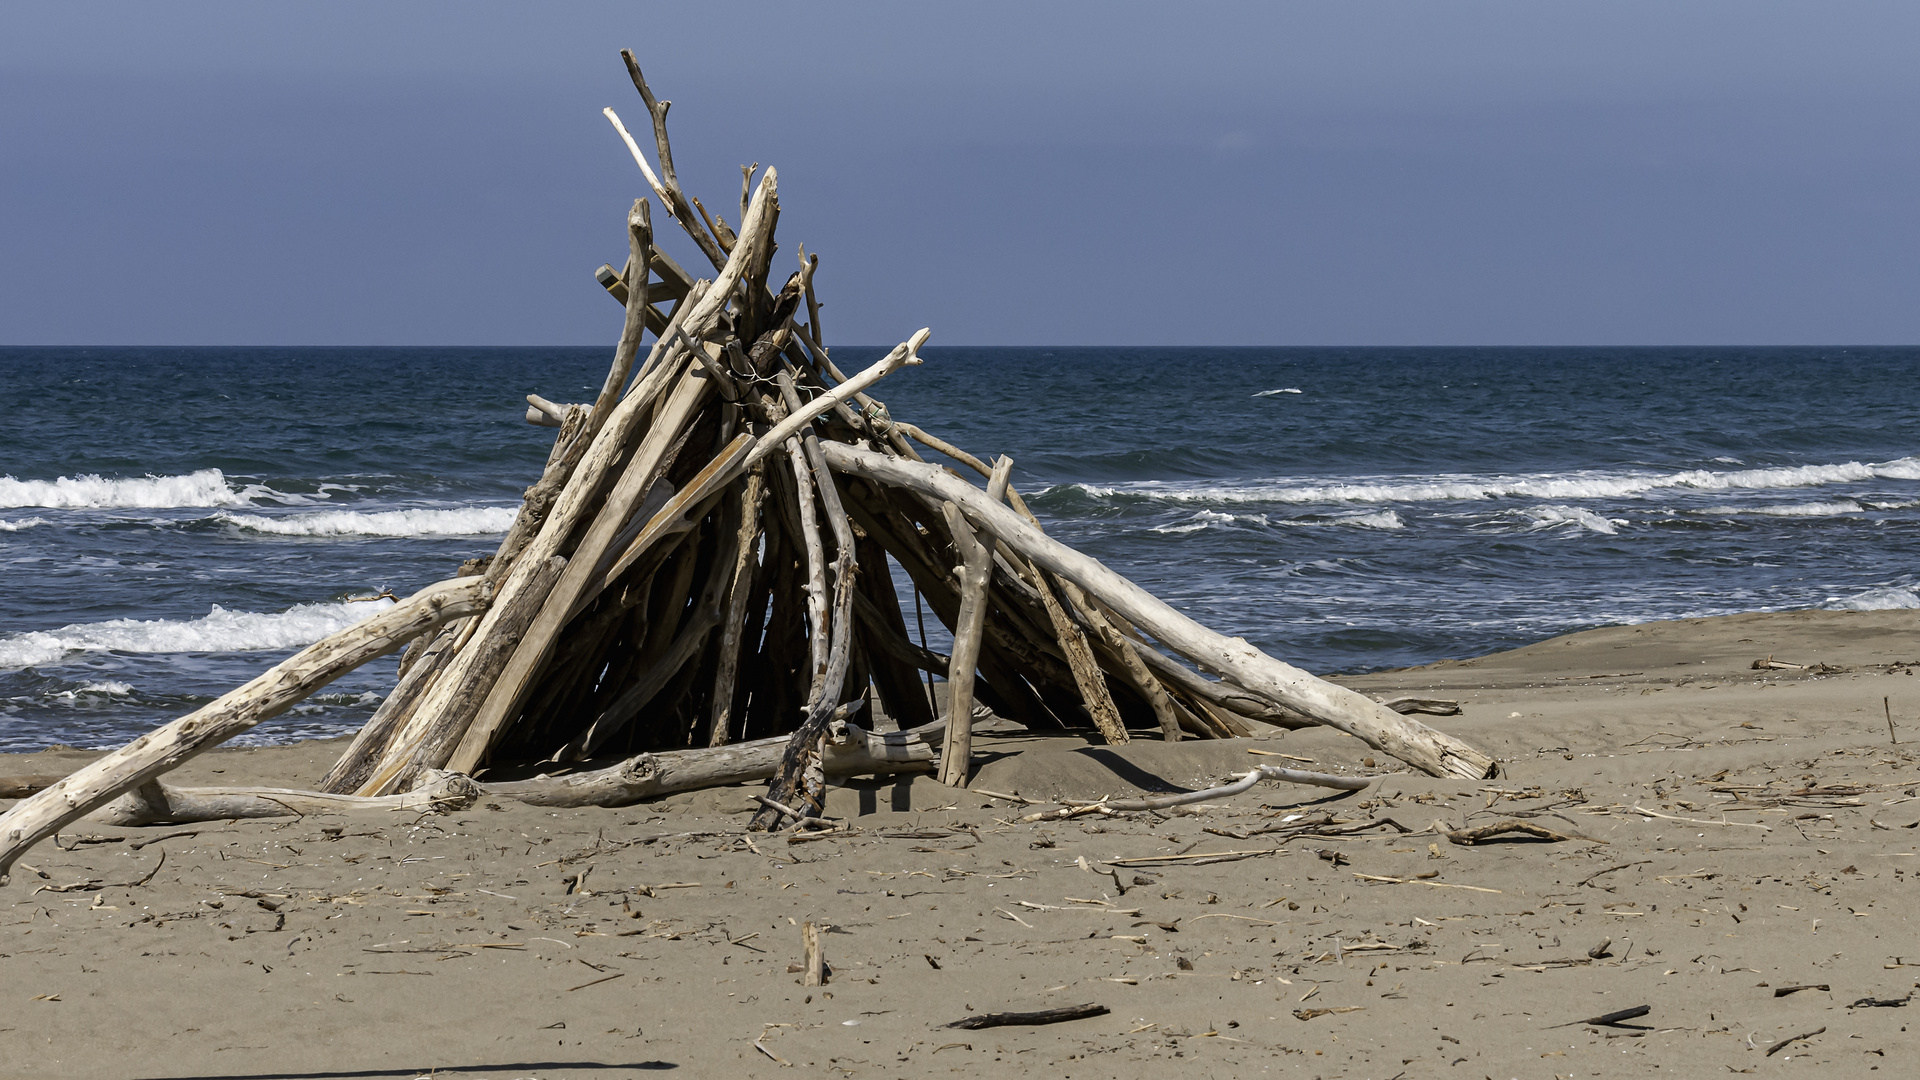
pixel 22 523
pixel 1885 598
pixel 1282 390
pixel 104 689
pixel 207 487
pixel 1204 519
pixel 1379 519
pixel 1550 515
pixel 466 521
pixel 219 630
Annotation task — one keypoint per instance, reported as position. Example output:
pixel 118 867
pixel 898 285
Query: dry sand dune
pixel 1744 832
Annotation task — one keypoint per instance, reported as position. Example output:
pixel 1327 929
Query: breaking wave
pixel 468 521
pixel 102 689
pixel 1553 514
pixel 1282 390
pixel 1379 519
pixel 219 630
pixel 1886 598
pixel 22 523
pixel 207 487
pixel 1208 518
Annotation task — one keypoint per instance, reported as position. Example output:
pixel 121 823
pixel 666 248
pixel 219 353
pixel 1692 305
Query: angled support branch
pixel 975 571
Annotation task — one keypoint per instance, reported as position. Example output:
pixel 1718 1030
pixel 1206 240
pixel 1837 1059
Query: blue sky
pixel 1350 172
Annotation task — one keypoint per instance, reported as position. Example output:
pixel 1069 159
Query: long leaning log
pixel 1376 725
pixel 267 696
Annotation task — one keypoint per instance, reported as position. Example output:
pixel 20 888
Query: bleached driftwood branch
pixel 1383 729
pixel 284 685
pixel 155 803
pixel 853 752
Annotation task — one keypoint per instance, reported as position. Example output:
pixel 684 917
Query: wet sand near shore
pixel 1734 834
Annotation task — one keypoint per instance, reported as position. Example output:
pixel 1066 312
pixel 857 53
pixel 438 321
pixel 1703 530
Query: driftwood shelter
pixel 700 589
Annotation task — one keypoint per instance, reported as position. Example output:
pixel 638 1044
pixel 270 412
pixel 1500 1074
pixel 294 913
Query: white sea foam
pixel 1379 519
pixel 219 630
pixel 1205 519
pixel 1806 509
pixel 22 523
pixel 1282 390
pixel 1582 485
pixel 1553 514
pixel 1886 598
pixel 105 689
pixel 207 487
pixel 466 521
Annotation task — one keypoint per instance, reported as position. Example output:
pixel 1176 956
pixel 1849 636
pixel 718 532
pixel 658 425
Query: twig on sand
pixel 1588 880
pixel 1417 881
pixel 138 844
pixel 1044 1016
pixel 1783 1043
pixel 1469 837
pixel 816 958
pixel 1700 821
pixel 1199 858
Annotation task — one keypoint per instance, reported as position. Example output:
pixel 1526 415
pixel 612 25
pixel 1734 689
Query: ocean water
pixel 174 521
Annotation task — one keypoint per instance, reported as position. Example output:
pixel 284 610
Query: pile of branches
pixel 701 588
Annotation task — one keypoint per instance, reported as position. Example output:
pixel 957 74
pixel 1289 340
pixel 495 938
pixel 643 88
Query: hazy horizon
pixel 1377 174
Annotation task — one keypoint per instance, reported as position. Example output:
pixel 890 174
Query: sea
pixel 174 521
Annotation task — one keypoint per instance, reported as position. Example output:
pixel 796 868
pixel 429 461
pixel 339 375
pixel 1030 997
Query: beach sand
pixel 1747 831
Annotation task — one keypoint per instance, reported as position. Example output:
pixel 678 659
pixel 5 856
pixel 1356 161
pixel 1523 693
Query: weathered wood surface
pixel 280 688
pixel 507 688
pixel 155 803
pixel 855 752
pixel 665 584
pixel 1383 729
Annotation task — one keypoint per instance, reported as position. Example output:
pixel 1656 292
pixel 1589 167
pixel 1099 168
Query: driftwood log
pixel 1245 666
pixel 731 545
pixel 155 803
pixel 280 688
pixel 850 750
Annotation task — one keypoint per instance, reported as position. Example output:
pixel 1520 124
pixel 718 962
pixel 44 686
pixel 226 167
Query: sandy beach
pixel 1742 862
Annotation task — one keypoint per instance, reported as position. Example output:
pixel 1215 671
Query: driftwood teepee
pixel 709 556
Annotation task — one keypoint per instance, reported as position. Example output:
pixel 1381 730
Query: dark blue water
pixel 173 521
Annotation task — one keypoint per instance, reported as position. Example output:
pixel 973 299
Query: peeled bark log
pixel 506 690
pixel 284 685
pixel 1383 729
pixel 370 743
pixel 856 752
pixel 442 730
pixel 155 803
pixel 478 667
pixel 1223 695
